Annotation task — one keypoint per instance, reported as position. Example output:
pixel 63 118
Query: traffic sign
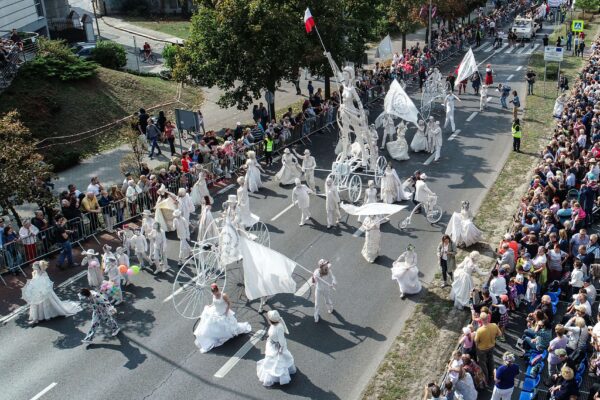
pixel 577 25
pixel 552 53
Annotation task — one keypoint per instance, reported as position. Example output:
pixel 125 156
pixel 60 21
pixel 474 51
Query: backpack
pixel 516 102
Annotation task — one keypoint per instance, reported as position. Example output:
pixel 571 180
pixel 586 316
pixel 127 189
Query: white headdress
pixel 274 316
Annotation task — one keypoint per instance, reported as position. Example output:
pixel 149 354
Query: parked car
pixel 83 50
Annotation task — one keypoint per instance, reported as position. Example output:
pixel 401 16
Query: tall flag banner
pixel 309 22
pixel 385 48
pixel 467 67
pixel 398 103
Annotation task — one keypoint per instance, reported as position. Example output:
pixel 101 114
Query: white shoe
pixel 86 340
pixel 301 223
pixel 115 332
pixel 316 319
pixel 330 311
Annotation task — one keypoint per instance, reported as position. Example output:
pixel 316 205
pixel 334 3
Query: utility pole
pixel 96 17
pixel 429 28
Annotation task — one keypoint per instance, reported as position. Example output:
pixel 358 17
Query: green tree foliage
pixel 22 170
pixel 169 54
pixel 55 60
pixel 403 17
pixel 109 54
pixel 588 5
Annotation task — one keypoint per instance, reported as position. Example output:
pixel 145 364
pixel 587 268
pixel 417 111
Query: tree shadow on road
pixel 301 385
pixel 133 354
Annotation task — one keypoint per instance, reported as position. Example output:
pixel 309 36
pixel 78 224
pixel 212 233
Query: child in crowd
pixel 503 310
pixel 531 293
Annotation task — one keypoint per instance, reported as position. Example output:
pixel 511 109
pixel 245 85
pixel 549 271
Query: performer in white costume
pixel 419 142
pixel 228 236
pixel 243 214
pixel 165 205
pixel 370 250
pixel 325 283
pixel 559 106
pixel 461 228
pixel 483 93
pixel 449 104
pixel 422 191
pixel 43 302
pixel 200 189
pixel 308 167
pixel 159 249
pixel 370 197
pixel 123 259
pixel 437 140
pixel 398 149
pixel 253 170
pixel 182 228
pixel 185 204
pixel 429 134
pixel 406 273
pixel 301 198
pixel 278 364
pixel 289 168
pixel 392 189
pixel 388 129
pixel 463 282
pixel 111 267
pixel 207 229
pixel 140 247
pixel 217 322
pixel 94 271
pixel 332 203
pixel 125 235
pixel 147 225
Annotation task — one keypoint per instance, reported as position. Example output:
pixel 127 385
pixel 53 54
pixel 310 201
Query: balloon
pixel 135 269
pixel 130 272
pixel 94 263
pixel 122 269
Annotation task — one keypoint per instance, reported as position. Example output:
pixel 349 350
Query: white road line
pixel 509 50
pixel 429 160
pixel 282 212
pixel 239 354
pixel 510 77
pixel 489 49
pixel 519 67
pixel 303 289
pixel 43 392
pixel 473 115
pixel 455 134
pixel 489 99
pixel 521 50
pixel 503 47
pixel 535 46
pixel 226 188
pixel 72 279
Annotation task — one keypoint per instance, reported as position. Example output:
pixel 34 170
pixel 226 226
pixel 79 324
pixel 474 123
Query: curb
pixel 175 40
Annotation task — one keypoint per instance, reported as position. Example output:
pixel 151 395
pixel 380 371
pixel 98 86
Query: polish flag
pixel 309 22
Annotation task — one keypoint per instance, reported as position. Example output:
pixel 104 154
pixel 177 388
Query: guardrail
pixel 17 55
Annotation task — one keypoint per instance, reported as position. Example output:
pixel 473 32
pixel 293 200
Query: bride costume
pixel 398 149
pixel 370 197
pixel 289 169
pixel 559 106
pixel 218 323
pixel 325 283
pixel 158 252
pixel 370 250
pixel 243 214
pixel 388 129
pixel 228 236
pixel 392 189
pixel 406 273
pixel 207 228
pixel 164 208
pixel 253 170
pixel 43 302
pixel 463 282
pixel 429 134
pixel 419 142
pixel 278 364
pixel 461 228
pixel 200 190
pixel 94 272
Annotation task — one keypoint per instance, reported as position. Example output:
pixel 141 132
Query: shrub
pixel 110 54
pixel 56 60
pixel 169 54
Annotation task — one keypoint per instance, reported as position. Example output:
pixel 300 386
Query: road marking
pixel 43 392
pixel 239 354
pixel 509 50
pixel 489 49
pixel 226 188
pixel 303 289
pixel 72 279
pixel 282 212
pixel 519 67
pixel 521 50
pixel 455 134
pixel 510 77
pixel 489 99
pixel 429 160
pixel 503 47
pixel 533 48
pixel 473 115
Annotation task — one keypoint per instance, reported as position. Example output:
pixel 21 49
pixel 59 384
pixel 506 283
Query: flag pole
pixel 319 35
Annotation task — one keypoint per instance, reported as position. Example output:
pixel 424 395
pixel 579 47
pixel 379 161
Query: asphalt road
pixel 154 356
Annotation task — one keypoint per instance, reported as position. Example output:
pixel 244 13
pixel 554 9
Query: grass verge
pixel 174 27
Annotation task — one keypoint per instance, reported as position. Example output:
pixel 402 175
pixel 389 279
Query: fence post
pixel 136 53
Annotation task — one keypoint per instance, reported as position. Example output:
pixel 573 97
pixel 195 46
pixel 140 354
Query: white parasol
pixel 372 209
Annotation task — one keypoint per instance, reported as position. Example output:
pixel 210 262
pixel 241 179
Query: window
pixel 39 8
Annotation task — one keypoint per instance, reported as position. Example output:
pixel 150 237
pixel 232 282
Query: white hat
pixel 177 213
pixel 307 152
pixel 162 189
pixel 146 212
pixel 232 198
pixel 181 192
pixel 286 150
pixel 423 176
pixel 240 180
pixel 371 183
pixel 297 181
pixel 274 316
pixel 238 123
pixel 507 236
pixel 91 252
pixel 119 250
pixel 322 262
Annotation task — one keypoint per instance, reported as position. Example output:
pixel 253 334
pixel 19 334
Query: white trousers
pixel 502 394
pixel 324 294
pixel 184 250
pixel 142 257
pixel 385 136
pixel 438 152
pixel 160 258
pixel 305 215
pixel 482 103
pixel 450 120
pixel 333 217
pixel 309 175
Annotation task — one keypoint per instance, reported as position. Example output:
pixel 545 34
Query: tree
pixel 243 47
pixel 109 54
pixel 132 162
pixel 22 170
pixel 587 5
pixel 403 15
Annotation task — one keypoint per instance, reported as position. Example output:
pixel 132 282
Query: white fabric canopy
pixel 398 103
pixel 266 272
pixel 467 67
pixel 372 209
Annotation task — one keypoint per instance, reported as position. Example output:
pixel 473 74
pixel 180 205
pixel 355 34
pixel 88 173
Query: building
pixel 24 15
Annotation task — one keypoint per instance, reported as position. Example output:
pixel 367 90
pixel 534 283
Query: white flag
pixel 385 48
pixel 398 103
pixel 467 67
pixel 266 272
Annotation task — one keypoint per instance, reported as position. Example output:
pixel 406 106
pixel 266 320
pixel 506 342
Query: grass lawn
pixel 176 28
pixel 52 108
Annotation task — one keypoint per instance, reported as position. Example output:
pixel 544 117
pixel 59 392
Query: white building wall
pixel 21 14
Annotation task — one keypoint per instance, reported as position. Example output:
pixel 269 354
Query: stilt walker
pixel 325 283
pixel 301 198
pixel 483 99
pixel 429 134
pixel 183 234
pixel 437 140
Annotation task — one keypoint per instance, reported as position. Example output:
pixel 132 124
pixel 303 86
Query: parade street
pixel 154 356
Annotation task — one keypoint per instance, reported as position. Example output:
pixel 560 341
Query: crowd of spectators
pixel 10 49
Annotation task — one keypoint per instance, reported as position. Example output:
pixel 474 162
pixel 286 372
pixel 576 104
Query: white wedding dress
pixel 243 214
pixel 370 250
pixel 392 189
pixel 253 175
pixel 289 170
pixel 199 190
pixel 462 230
pixel 216 327
pixel 278 364
pixel 207 228
pixel 398 148
pixel 463 282
pixel 406 273
pixel 44 303
pixel 419 142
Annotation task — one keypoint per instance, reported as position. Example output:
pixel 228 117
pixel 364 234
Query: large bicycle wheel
pixel 259 233
pixel 354 188
pixel 191 289
pixel 434 214
pixel 380 169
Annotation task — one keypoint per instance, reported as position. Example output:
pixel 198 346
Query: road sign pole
pixel 545 66
pixel 558 78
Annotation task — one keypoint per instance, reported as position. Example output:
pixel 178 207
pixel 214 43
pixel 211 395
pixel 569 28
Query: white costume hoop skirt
pixel 289 170
pixel 370 250
pixel 398 148
pixel 462 230
pixel 207 228
pixel 406 273
pixel 215 328
pixel 243 214
pixel 419 142
pixel 199 190
pixel 44 303
pixel 463 282
pixel 392 190
pixel 253 179
pixel 278 364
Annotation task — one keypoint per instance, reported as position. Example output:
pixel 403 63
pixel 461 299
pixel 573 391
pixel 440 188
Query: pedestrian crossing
pixel 506 49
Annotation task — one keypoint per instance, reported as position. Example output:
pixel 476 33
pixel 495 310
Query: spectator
pixel 170 136
pixel 143 121
pixel 517 134
pixel 106 203
pixel 504 378
pixel 95 186
pixel 153 134
pixel 28 235
pixel 485 341
pixel 64 240
pixel 92 208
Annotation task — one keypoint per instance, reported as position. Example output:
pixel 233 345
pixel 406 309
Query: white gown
pixel 45 304
pixel 243 214
pixel 207 228
pixel 419 142
pixel 94 273
pixel 215 327
pixel 278 364
pixel 199 190
pixel 463 282
pixel 398 149
pixel 461 229
pixel 289 170
pixel 370 250
pixel 406 273
pixel 392 189
pixel 163 213
pixel 253 176
pixel 370 197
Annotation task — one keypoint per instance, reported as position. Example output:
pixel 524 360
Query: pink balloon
pixel 129 272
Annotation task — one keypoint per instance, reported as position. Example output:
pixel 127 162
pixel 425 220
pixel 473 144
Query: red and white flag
pixel 309 22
